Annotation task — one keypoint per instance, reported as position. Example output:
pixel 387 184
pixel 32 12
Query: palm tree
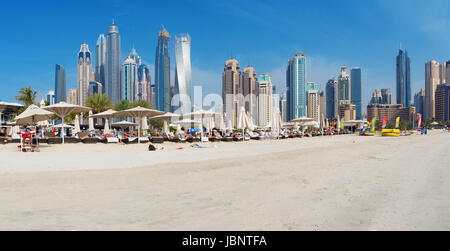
pixel 27 96
pixel 123 105
pixel 142 103
pixel 99 103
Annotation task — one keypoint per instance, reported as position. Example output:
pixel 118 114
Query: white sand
pixel 325 183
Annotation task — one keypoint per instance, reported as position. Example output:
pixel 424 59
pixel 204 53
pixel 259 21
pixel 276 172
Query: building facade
pixel 403 65
pixel 144 85
pixel 231 89
pixel 249 89
pixel 356 80
pixel 347 112
pixel 313 105
pixel 419 100
pixel 283 107
pixel 296 85
pixel 344 91
pixel 432 80
pixel 100 59
pixel 386 96
pixel 95 88
pixel 85 74
pixel 443 102
pixel 443 73
pixel 331 98
pixel 322 107
pixel 113 63
pixel 129 80
pixel 265 89
pixel 183 75
pixel 60 84
pixel 391 111
pixel 162 73
pixel 72 97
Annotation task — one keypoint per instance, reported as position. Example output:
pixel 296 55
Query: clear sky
pixel 36 35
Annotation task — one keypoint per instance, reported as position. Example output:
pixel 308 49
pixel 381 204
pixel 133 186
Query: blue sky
pixel 36 35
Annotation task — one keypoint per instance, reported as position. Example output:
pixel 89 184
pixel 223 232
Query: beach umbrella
pixel 32 115
pixel 201 115
pixel 139 113
pixel 124 124
pixel 221 123
pixel 338 124
pixel 91 122
pixel 77 124
pixel 187 122
pixel 62 109
pixel 167 117
pixel 179 129
pixel 107 115
pixel 106 129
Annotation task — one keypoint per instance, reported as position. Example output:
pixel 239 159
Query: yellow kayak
pixel 390 132
pixel 370 133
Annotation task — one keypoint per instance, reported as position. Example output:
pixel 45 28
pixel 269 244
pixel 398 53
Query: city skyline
pixel 207 61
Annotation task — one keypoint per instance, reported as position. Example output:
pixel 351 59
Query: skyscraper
pixel 386 96
pixel 128 82
pixel 443 73
pixel 183 77
pixel 95 88
pixel 135 57
pixel 249 88
pixel 377 98
pixel 283 106
pixel 144 87
pixel 419 99
pixel 113 64
pixel 331 96
pixel 344 92
pixel 50 97
pixel 265 89
pixel 313 104
pixel 356 90
pixel 432 80
pixel 231 88
pixel 72 97
pixel 403 78
pixel 85 74
pixel 162 73
pixel 60 84
pixel 100 60
pixel 443 102
pixel 296 84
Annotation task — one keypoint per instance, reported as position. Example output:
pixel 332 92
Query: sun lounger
pixel 227 139
pixel 144 140
pixel 128 141
pixel 54 141
pixel 110 140
pixel 90 140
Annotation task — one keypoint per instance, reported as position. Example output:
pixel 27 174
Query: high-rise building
pixel 322 107
pixel 163 97
pixel 249 84
pixel 183 76
pixel 447 72
pixel 129 80
pixel 332 98
pixel 386 96
pixel 296 85
pixel 313 104
pixel 95 88
pixel 50 97
pixel 113 63
pixel 135 57
pixel 85 74
pixel 310 86
pixel 283 106
pixel 377 98
pixel 72 97
pixel 347 112
pixel 344 92
pixel 419 100
pixel 443 102
pixel 100 59
pixel 403 78
pixel 144 84
pixel 231 89
pixel 265 89
pixel 443 73
pixel 432 80
pixel 356 80
pixel 60 84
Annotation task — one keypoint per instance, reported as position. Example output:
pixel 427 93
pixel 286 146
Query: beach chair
pixel 157 140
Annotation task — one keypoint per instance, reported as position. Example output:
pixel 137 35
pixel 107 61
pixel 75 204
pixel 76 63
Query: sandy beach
pixel 322 183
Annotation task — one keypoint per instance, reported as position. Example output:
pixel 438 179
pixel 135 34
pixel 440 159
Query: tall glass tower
pixel 296 84
pixel 100 59
pixel 113 64
pixel 129 77
pixel 356 90
pixel 162 73
pixel 183 77
pixel 60 84
pixel 85 74
pixel 403 78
